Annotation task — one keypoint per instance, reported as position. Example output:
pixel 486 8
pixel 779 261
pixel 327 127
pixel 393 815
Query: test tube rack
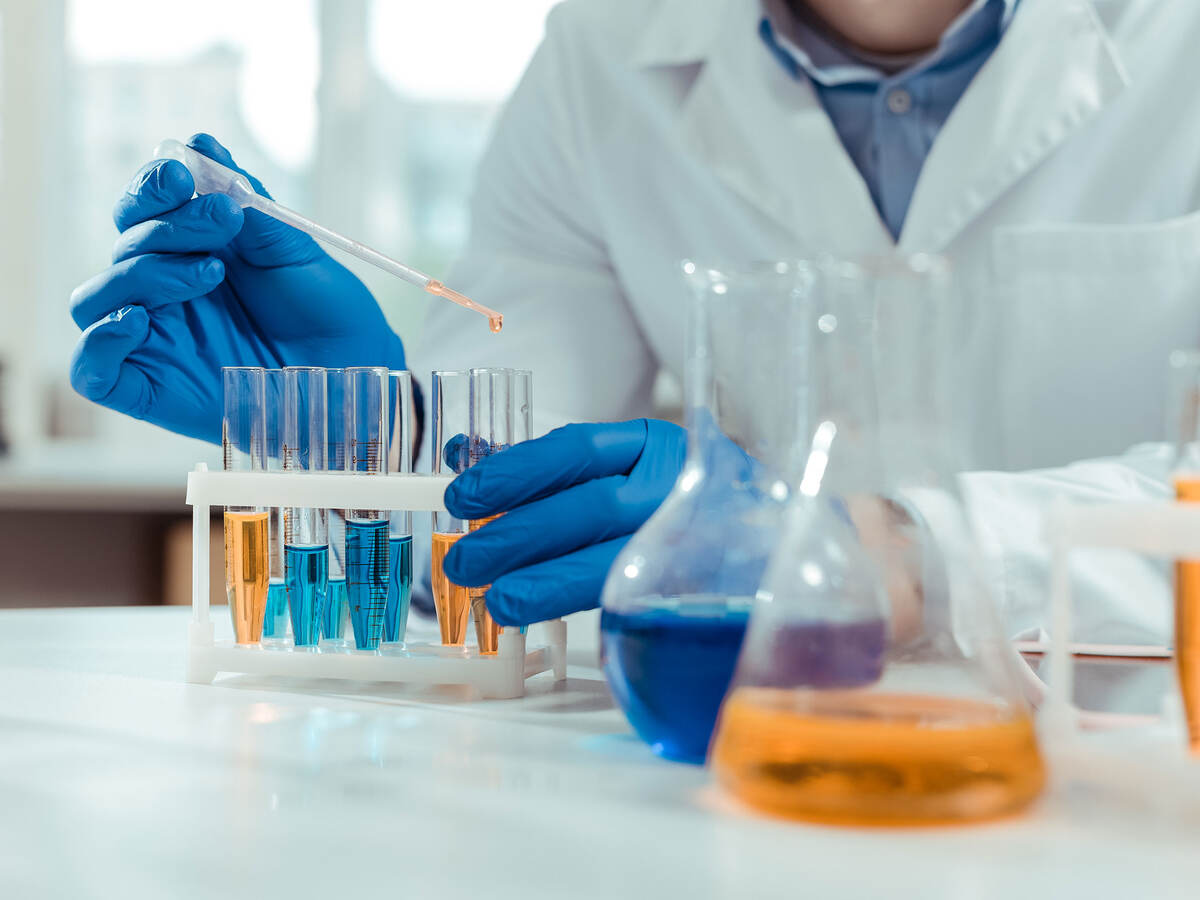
pixel 1161 528
pixel 498 676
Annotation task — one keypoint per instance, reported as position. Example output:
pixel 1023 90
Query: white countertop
pixel 118 780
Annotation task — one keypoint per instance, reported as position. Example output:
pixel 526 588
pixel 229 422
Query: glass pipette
pixel 211 177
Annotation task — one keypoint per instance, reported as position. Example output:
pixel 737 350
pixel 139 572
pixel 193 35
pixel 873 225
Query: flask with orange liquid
pixel 876 557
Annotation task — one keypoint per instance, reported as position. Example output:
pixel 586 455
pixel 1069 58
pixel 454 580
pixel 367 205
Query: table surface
pixel 120 780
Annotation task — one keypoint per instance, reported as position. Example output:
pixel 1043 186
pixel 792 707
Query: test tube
pixel 275 619
pixel 1184 424
pixel 337 604
pixel 367 561
pixel 247 542
pixel 491 416
pixel 451 427
pixel 522 406
pixel 400 448
pixel 306 529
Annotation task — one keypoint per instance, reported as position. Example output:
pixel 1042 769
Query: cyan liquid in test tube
pixel 337 603
pixel 306 529
pixel 368 561
pixel 275 620
pixel 400 447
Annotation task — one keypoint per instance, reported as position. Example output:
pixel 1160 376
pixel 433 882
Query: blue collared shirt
pixel 888 121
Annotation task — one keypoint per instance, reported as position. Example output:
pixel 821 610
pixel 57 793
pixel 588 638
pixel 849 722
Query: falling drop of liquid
pixel 496 323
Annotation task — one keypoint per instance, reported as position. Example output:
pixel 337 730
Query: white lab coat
pixel 1064 188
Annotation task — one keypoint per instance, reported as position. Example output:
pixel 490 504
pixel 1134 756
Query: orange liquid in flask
pixel 451 601
pixel 875 759
pixel 1187 625
pixel 247 572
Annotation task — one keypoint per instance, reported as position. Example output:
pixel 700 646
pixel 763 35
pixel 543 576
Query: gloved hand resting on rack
pixel 196 284
pixel 570 501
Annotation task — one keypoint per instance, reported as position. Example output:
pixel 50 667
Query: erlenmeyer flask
pixel 677 599
pixel 939 731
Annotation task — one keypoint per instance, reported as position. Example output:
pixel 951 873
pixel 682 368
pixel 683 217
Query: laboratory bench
pixel 118 779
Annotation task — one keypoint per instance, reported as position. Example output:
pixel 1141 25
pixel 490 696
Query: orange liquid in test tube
pixel 487 632
pixel 1187 624
pixel 451 601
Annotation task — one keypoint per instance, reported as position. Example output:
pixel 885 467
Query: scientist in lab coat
pixel 1049 148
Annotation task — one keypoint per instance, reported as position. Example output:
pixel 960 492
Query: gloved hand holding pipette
pixel 198 284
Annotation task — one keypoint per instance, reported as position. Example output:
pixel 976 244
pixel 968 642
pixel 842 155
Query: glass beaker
pixel 1184 412
pixel 875 684
pixel 676 601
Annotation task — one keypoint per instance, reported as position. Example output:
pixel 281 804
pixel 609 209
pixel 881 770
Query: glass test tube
pixel 451 426
pixel 400 543
pixel 491 416
pixel 1184 410
pixel 337 604
pixel 367 561
pixel 306 529
pixel 522 407
pixel 247 543
pixel 275 619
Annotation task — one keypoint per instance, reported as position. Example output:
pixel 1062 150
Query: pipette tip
pixel 495 319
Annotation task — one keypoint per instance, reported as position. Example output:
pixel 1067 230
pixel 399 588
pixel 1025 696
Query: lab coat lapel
pixel 1053 72
pixel 766 135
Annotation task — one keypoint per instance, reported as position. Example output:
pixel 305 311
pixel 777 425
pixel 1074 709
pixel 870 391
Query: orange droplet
pixel 496 323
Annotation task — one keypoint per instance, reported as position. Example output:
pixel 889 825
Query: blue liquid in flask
pixel 367 565
pixel 395 621
pixel 333 616
pixel 276 615
pixel 307 579
pixel 669 671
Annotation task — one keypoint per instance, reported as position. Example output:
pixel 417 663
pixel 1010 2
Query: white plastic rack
pixel 498 676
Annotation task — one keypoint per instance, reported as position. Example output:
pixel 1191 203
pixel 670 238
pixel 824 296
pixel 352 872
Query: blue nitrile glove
pixel 197 284
pixel 571 500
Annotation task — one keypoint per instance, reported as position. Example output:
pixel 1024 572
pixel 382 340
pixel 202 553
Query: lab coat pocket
pixel 1094 311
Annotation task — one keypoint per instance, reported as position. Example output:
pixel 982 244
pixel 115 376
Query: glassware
pixel 306 529
pixel 677 599
pixel 367 557
pixel 275 620
pixel 400 450
pixel 337 602
pixel 500 402
pixel 451 425
pixel 247 541
pixel 1184 410
pixel 875 685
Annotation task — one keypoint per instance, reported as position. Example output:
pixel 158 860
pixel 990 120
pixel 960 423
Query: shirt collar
pixel 830 63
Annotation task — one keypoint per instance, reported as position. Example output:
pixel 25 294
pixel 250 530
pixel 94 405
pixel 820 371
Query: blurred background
pixel 367 115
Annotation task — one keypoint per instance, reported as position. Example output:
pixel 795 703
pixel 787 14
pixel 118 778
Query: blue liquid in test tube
pixel 333 616
pixel 399 588
pixel 307 586
pixel 367 576
pixel 275 619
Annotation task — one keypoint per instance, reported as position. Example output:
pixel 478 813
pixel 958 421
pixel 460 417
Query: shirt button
pixel 899 101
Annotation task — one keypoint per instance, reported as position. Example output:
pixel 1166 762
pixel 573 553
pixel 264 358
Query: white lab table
pixel 119 780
